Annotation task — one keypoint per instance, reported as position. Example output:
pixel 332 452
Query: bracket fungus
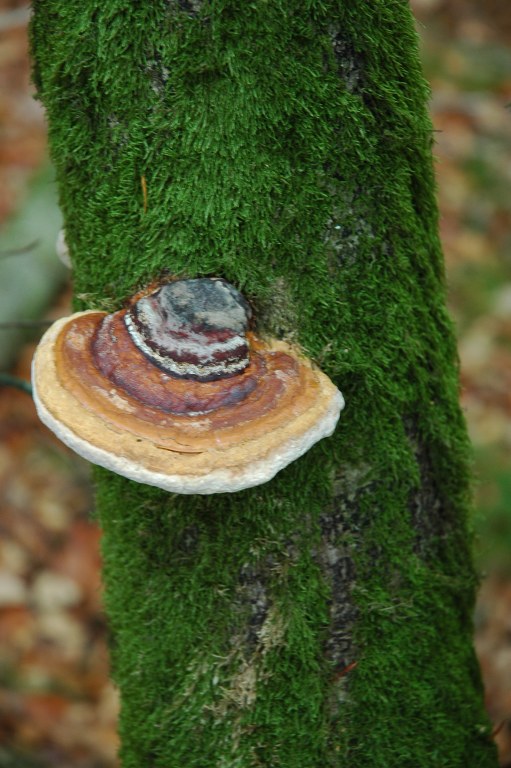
pixel 175 390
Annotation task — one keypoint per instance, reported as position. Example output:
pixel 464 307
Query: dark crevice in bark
pixel 339 644
pixel 430 518
pixel 252 598
pixel 340 527
pixel 254 595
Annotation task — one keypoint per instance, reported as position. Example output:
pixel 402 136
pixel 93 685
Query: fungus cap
pixel 176 392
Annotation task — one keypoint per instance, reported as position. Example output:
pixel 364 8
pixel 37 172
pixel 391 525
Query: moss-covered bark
pixel 323 619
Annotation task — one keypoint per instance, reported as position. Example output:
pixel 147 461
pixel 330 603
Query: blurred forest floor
pixel 57 706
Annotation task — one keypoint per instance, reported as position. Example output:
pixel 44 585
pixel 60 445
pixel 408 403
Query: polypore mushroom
pixel 176 392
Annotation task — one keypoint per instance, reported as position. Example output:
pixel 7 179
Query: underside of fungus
pixel 176 392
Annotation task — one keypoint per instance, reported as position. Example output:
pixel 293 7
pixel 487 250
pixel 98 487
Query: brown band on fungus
pixel 129 369
pixel 282 383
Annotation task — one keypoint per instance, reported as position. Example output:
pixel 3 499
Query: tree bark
pixel 322 619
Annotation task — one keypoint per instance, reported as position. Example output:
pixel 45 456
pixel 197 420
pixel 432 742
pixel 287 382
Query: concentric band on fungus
pixel 120 411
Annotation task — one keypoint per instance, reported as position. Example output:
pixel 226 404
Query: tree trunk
pixel 322 619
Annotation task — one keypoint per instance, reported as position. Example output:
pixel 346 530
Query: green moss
pixel 285 146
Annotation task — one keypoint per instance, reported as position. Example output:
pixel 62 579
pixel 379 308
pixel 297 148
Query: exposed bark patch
pixel 253 601
pixel 344 236
pixel 349 65
pixel 339 644
pixel 191 7
pixel 253 595
pixel 158 74
pixel 276 314
pixel 241 690
pixel 340 526
pixel 348 229
pixel 244 671
pixel 429 517
pixel 261 627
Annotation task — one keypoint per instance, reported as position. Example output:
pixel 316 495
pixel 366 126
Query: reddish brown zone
pixel 284 388
pixel 275 376
pixel 117 357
